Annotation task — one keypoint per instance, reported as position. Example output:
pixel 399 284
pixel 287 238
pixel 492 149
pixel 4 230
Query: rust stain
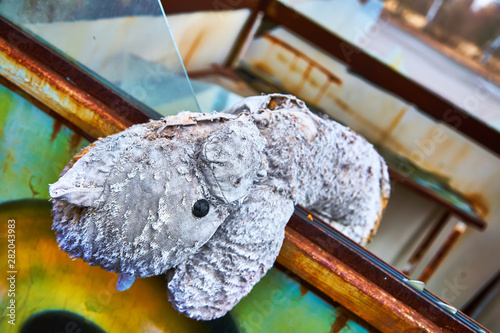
pixel 321 92
pixel 334 79
pixel 324 90
pixel 35 193
pixel 303 290
pixel 339 323
pixel 305 77
pixel 298 54
pixel 281 57
pixel 461 155
pixel 276 41
pixel 192 50
pixel 75 141
pixel 346 286
pixel 478 203
pixel 56 128
pixel 77 157
pixel 395 122
pixel 365 123
pixel 291 64
pixel 438 143
pixel 294 67
pixel 263 67
pixel 345 107
pixel 314 83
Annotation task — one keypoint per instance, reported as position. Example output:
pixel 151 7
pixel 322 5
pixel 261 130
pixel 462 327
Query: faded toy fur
pixel 127 203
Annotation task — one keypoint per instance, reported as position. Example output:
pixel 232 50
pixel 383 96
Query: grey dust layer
pixel 127 204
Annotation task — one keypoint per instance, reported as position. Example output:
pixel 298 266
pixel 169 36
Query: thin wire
pixel 179 56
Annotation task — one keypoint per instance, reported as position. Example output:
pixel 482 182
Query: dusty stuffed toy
pixel 204 198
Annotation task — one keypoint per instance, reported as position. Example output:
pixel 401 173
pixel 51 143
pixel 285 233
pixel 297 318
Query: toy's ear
pixel 83 183
pixel 231 159
pixel 241 251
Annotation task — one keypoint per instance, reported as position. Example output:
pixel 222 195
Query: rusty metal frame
pixel 474 220
pixel 372 271
pixel 346 286
pixel 179 7
pixel 62 87
pixel 323 257
pixel 443 251
pixel 358 62
pixel 430 236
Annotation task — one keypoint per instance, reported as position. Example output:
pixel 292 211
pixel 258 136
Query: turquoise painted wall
pixel 34 148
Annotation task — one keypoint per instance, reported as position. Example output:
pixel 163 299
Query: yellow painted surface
pixel 47 279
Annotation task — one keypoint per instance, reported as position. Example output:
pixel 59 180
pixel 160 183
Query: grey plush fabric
pixel 206 197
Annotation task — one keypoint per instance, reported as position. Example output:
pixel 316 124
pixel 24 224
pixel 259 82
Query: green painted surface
pixel 34 148
pixel 278 303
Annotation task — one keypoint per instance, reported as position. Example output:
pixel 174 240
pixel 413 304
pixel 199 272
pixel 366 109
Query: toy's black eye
pixel 201 208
